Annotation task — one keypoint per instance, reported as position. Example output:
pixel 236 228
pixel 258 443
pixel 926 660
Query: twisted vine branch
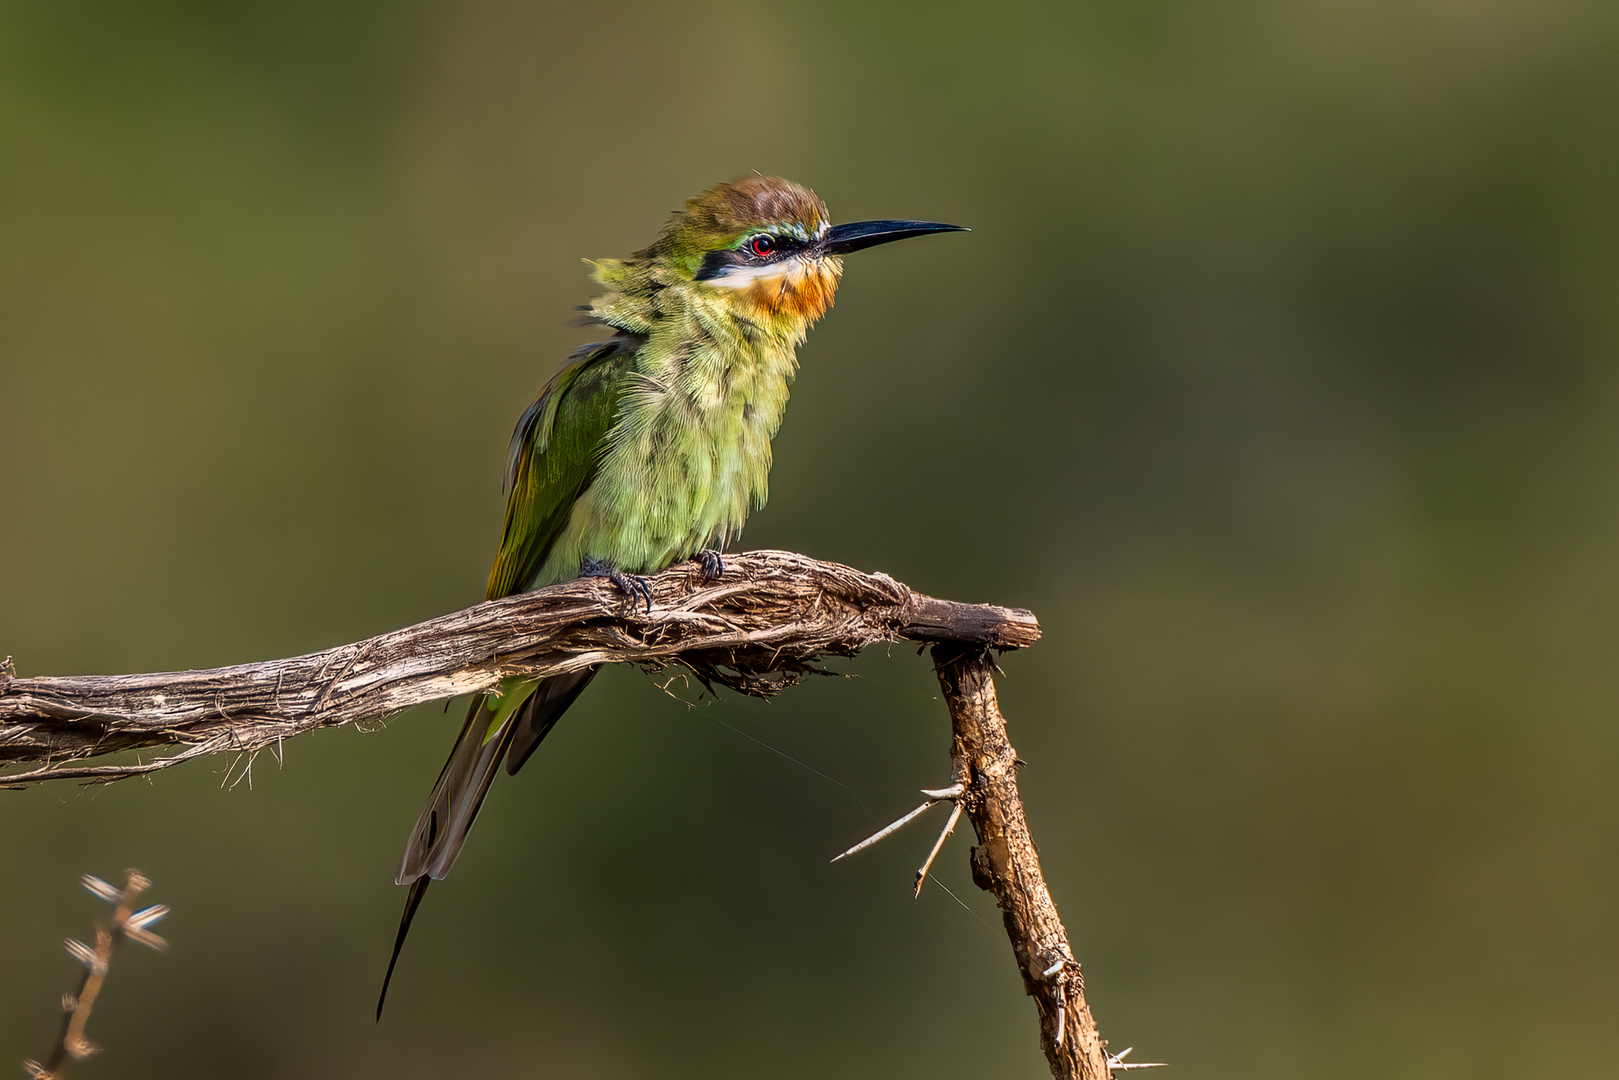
pixel 759 628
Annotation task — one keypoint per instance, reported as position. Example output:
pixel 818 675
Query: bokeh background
pixel 1278 377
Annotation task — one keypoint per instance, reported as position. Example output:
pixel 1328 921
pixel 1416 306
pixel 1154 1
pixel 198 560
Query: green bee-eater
pixel 649 447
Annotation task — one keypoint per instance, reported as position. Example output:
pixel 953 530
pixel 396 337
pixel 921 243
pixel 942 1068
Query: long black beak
pixel 842 239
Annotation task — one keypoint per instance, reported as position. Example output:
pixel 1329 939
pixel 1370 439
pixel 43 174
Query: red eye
pixel 761 246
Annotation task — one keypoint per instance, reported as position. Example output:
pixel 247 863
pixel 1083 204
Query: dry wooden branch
pixel 1006 864
pixel 765 624
pixel 761 627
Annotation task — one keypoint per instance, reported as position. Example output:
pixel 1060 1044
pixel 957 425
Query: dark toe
pixel 712 563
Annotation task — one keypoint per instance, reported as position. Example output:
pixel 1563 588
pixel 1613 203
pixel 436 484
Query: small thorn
pixel 887 831
pixel 949 827
pixel 81 1047
pixel 1116 1062
pixel 954 791
pixel 101 889
pixel 145 937
pixel 1062 1017
pixel 81 952
pixel 1053 969
pixel 146 917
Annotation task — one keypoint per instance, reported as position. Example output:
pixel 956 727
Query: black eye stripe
pixel 716 263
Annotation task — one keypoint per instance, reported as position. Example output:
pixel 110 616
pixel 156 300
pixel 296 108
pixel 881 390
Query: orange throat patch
pixel 801 293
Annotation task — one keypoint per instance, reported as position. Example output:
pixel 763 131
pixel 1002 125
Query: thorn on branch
pixel 938 845
pixel 1116 1062
pixel 127 923
pixel 934 797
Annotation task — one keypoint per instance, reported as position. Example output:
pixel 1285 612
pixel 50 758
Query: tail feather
pixel 540 713
pixel 459 793
pixel 418 889
pixel 509 726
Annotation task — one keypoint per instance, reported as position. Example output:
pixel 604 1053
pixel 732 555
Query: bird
pixel 648 448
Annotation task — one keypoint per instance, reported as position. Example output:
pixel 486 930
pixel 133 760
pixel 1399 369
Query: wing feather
pixel 554 454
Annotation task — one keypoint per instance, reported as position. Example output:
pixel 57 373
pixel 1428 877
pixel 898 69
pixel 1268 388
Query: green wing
pixel 553 457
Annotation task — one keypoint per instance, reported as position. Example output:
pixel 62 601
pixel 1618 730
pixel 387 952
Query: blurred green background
pixel 1278 377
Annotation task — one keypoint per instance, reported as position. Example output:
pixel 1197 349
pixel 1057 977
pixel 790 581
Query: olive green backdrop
pixel 1278 377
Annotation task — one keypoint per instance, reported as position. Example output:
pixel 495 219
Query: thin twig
pixel 127 923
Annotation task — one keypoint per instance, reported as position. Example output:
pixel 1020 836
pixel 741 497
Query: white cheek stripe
pixel 742 277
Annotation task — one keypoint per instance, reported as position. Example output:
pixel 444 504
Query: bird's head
pixel 766 247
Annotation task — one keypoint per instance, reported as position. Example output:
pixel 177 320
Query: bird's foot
pixel 636 587
pixel 711 562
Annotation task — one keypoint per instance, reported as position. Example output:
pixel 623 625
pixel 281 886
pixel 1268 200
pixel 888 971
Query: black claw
pixel 636 587
pixel 712 563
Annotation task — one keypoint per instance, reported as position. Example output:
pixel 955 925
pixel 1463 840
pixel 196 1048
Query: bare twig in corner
pixel 127 923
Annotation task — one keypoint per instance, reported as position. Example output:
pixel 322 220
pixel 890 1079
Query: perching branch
pixel 758 629
pixel 764 625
